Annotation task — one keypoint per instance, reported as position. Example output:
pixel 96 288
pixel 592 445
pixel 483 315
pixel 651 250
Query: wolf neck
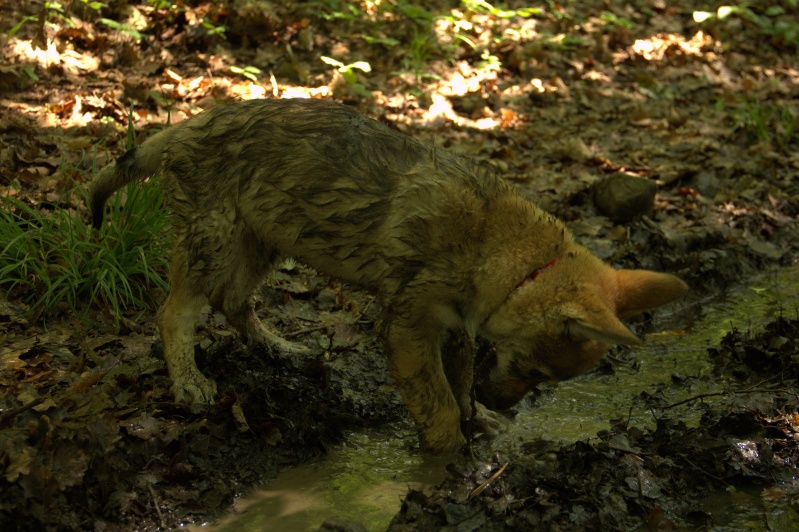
pixel 519 238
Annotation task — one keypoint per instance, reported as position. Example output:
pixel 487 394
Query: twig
pixel 301 332
pixel 20 409
pixel 637 454
pixel 731 392
pixel 693 398
pixel 155 503
pixel 479 489
pixel 706 472
pixel 359 320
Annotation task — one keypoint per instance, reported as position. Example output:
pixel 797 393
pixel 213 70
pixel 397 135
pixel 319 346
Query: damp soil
pixel 675 475
pixel 89 435
pixel 674 380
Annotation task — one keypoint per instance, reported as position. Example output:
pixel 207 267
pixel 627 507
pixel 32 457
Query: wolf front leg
pixel 416 362
pixel 458 358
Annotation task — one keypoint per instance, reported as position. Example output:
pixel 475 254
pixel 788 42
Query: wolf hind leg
pixel 249 264
pixel 176 320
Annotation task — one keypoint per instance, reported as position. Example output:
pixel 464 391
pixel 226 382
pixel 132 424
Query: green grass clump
pixel 766 121
pixel 53 258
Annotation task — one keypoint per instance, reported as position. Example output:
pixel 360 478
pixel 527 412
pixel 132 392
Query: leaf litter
pixel 89 435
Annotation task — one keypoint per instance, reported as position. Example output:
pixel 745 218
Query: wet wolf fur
pixel 447 245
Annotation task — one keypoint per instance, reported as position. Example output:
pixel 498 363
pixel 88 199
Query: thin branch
pixel 20 409
pixel 731 392
pixel 479 489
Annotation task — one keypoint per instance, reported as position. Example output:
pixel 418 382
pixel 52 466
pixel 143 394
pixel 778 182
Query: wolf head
pixel 562 319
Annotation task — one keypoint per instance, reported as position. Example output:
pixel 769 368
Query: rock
pixel 573 149
pixel 707 183
pixel 622 197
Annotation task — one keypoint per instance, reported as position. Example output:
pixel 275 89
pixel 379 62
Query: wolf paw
pixel 487 421
pixel 194 392
pixel 445 444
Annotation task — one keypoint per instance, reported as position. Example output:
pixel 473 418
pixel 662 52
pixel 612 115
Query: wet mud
pixel 90 438
pixel 627 479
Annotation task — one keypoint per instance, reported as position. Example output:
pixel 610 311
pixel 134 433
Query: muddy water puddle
pixel 580 408
pixel 364 479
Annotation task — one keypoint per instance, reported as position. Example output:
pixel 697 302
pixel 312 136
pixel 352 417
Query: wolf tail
pixel 138 163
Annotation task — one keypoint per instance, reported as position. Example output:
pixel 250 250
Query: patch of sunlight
pixel 537 85
pixel 72 61
pixel 441 112
pixel 249 90
pixel 596 75
pixel 663 45
pixel 526 31
pixel 657 47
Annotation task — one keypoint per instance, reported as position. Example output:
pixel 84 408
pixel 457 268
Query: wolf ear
pixel 640 290
pixel 597 322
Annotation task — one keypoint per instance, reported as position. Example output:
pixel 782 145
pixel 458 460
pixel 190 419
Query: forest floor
pixel 704 104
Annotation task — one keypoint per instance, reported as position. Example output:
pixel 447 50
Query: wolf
pixel 447 245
